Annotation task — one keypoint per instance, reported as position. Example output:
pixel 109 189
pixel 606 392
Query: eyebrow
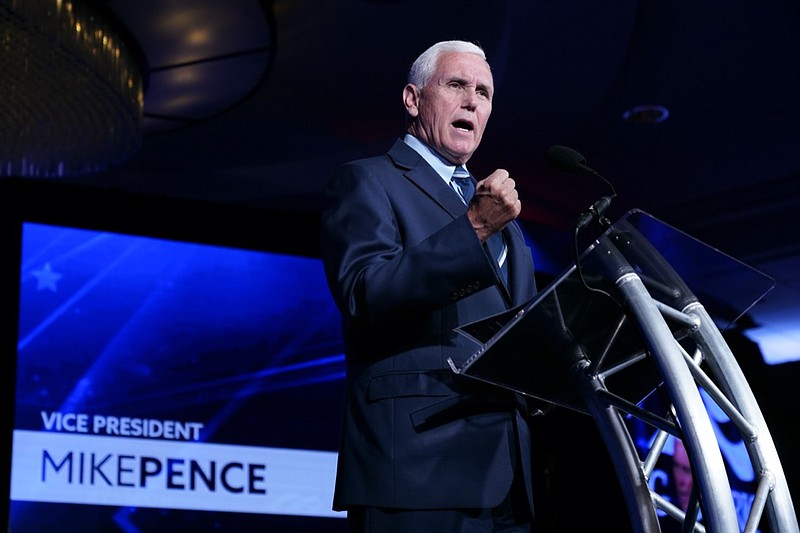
pixel 463 81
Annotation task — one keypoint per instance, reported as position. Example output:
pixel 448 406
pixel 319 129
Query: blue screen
pixel 166 385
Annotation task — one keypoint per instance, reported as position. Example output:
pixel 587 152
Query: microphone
pixel 568 160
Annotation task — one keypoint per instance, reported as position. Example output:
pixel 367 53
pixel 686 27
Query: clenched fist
pixel 495 204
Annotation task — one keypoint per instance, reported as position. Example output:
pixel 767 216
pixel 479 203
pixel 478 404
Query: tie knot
pixel 464 183
pixel 460 173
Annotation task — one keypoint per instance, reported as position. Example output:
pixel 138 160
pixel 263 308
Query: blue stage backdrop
pixel 172 386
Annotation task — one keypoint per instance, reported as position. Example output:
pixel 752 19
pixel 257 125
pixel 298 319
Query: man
pixel 681 475
pixel 682 484
pixel 408 260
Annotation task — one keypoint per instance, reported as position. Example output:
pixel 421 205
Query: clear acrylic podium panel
pixel 532 349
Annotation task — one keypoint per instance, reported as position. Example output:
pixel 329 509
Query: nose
pixel 470 99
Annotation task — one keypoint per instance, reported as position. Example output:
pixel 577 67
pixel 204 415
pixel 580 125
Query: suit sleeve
pixel 391 251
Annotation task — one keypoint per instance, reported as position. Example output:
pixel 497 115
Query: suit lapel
pixel 418 171
pixel 518 263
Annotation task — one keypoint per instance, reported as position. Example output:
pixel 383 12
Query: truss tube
pixel 761 448
pixel 623 454
pixel 699 438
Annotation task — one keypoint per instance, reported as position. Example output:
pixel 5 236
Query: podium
pixel 639 317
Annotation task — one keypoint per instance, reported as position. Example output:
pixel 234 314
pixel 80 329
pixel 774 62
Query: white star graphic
pixel 46 278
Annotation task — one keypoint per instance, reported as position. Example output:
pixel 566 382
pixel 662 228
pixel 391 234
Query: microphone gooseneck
pixel 566 159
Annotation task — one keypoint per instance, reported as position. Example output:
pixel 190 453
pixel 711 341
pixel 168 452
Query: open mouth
pixel 463 125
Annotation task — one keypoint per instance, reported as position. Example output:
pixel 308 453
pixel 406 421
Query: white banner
pixel 171 474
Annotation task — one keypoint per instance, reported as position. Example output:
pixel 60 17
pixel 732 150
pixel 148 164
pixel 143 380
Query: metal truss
pixel 623 337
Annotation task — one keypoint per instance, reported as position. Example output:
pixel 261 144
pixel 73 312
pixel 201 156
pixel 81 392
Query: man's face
pixel 682 475
pixel 452 110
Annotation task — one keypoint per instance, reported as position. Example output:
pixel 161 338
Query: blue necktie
pixel 463 183
pixel 496 243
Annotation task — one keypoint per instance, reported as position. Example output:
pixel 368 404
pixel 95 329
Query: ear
pixel 411 99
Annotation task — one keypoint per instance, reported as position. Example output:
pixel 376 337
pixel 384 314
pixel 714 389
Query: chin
pixel 461 154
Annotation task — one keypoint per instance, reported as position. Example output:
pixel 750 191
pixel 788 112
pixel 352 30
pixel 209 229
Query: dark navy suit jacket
pixel 405 268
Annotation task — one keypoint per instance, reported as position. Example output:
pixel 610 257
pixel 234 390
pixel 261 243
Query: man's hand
pixel 495 204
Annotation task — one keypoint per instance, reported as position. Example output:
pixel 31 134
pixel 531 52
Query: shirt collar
pixel 442 167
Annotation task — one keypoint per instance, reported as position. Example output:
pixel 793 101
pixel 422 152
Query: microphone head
pixel 564 158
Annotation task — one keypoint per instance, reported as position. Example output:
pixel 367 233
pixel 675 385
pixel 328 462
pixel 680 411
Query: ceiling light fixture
pixel 72 90
pixel 646 114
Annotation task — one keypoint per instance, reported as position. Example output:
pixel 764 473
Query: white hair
pixel 425 65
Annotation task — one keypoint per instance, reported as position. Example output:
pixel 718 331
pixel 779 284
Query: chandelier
pixel 71 99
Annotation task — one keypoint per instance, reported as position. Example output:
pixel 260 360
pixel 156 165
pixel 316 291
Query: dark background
pixel 281 92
